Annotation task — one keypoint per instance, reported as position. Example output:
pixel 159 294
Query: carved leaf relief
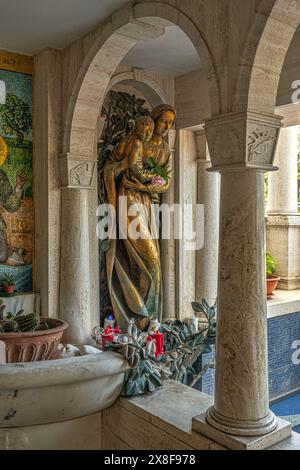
pixel 261 145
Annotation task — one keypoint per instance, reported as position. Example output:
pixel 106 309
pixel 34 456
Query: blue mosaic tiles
pixel 289 409
pixel 284 375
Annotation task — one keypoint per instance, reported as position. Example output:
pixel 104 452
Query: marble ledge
pixel 283 303
pixel 174 407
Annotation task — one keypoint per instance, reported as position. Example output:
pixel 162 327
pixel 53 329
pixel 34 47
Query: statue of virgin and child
pixel 138 171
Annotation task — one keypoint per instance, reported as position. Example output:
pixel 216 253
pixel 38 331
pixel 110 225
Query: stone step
pixel 291 443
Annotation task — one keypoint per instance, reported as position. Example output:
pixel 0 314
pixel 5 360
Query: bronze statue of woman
pixel 133 264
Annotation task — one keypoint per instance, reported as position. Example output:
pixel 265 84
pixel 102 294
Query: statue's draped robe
pixel 133 265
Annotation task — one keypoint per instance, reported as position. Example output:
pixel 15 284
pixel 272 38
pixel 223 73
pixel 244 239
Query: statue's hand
pixel 155 188
pixel 21 179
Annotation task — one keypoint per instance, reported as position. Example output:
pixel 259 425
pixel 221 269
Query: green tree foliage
pixel 16 117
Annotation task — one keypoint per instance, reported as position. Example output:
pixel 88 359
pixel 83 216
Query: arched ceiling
pixel 31 25
pixel 28 26
pixel 171 54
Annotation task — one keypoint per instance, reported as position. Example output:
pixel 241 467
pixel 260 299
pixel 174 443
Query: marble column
pixel 283 225
pixel 242 147
pixel 283 185
pixel 208 194
pixel 168 247
pixel 79 270
pixel 241 400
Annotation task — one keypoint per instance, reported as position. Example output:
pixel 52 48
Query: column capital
pixel 76 171
pixel 243 141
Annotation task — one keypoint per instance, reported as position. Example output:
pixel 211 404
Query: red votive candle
pixel 107 336
pixel 159 343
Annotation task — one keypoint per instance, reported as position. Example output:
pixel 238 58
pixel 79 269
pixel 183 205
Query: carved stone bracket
pixel 77 172
pixel 243 140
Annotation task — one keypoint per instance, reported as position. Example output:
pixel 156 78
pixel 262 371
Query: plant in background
pixel 8 283
pixel 183 346
pixel 271 264
pixel 8 280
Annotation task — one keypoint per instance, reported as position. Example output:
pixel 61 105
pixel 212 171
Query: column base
pixel 241 428
pixel 278 430
pixel 289 283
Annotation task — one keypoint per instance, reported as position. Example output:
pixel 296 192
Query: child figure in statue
pixel 130 155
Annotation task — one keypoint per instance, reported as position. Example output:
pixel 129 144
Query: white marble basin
pixel 59 390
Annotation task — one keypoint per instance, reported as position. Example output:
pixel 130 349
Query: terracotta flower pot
pixel 272 283
pixel 34 345
pixel 9 289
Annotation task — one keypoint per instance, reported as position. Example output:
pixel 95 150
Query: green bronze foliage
pixel 183 347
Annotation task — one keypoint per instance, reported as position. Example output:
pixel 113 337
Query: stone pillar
pixel 242 147
pixel 241 400
pixel 79 271
pixel 283 225
pixel 208 194
pixel 283 185
pixel 187 198
pixel 168 248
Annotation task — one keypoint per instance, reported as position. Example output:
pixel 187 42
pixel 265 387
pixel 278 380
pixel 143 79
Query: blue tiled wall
pixel 284 376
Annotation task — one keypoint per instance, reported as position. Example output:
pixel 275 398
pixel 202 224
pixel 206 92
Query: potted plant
pixel 28 337
pixel 8 283
pixel 272 279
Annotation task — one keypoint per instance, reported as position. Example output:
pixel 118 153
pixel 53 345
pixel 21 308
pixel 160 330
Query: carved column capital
pixel 243 140
pixel 77 172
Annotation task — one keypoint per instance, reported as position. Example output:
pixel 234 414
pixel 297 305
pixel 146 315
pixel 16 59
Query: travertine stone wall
pixel 157 421
pixel 192 99
pixel 48 134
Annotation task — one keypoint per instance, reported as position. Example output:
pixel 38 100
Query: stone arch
pixel 137 78
pixel 110 43
pixel 269 38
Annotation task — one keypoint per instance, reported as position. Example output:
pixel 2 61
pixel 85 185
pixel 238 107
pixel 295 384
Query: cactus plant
pixel 2 311
pixel 9 326
pixel 28 322
pixel 43 326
